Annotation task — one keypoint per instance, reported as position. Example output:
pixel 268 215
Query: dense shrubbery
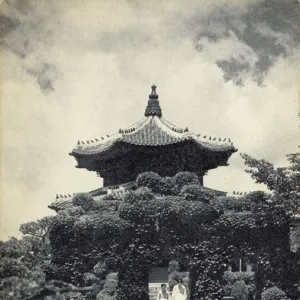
pixel 230 278
pixel 167 185
pixel 185 178
pixel 170 213
pixel 141 194
pixel 165 219
pixel 23 264
pixel 195 192
pixel 233 204
pixel 148 179
pixel 85 201
pixel 274 293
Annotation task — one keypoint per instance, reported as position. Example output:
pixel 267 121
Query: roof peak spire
pixel 153 108
pixel 153 94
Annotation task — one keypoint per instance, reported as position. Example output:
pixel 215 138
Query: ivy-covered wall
pixel 172 218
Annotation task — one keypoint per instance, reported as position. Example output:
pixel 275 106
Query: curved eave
pixel 77 153
pixel 94 149
pixel 86 161
pixel 151 132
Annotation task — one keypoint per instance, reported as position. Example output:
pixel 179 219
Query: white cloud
pixel 100 88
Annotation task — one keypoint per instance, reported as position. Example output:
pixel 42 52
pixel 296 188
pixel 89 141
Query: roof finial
pixel 153 87
pixel 153 108
pixel 153 94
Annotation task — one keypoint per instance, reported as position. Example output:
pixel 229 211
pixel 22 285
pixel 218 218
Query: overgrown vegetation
pixel 103 250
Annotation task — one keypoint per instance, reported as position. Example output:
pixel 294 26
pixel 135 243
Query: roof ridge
pixel 164 126
pixel 148 120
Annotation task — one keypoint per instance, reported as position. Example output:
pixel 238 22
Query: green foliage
pixel 85 201
pixel 111 196
pixel 227 204
pixel 273 293
pixel 207 264
pixel 23 289
pixel 169 213
pixel 133 283
pixel 100 269
pixel 194 192
pixel 173 266
pixel 11 267
pixel 23 262
pixel 157 223
pixel 239 290
pixel 17 288
pixel 13 248
pixel 257 197
pixel 39 229
pixel 282 182
pixel 29 252
pixel 75 296
pixel 185 178
pixel 100 226
pixel 148 179
pixel 295 237
pixel 141 194
pixel 72 211
pixel 167 186
pixel 232 277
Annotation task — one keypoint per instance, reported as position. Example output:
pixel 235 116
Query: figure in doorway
pixel 179 291
pixel 163 293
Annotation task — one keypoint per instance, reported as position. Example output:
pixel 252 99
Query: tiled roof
pixel 153 131
pixel 95 148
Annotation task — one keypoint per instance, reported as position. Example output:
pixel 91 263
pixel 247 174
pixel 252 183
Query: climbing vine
pixel 168 219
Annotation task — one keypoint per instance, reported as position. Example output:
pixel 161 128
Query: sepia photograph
pixel 150 150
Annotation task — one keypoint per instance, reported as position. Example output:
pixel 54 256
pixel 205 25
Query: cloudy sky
pixel 80 69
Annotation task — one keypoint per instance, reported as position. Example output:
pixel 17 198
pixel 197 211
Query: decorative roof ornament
pixel 153 108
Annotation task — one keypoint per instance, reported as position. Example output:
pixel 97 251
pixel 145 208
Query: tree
pixel 38 229
pixel 284 183
pixel 22 261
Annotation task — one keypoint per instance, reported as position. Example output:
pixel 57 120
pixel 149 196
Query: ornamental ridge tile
pixel 152 130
